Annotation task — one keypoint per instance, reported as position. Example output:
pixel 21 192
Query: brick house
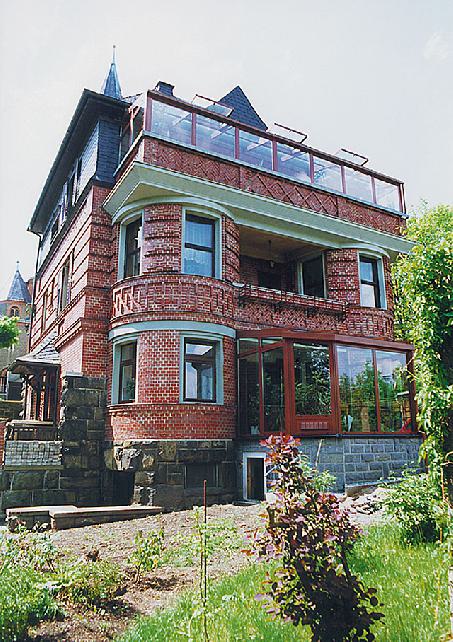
pixel 203 282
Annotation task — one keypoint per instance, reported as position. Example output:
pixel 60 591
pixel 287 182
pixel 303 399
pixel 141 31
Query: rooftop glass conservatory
pixel 203 129
pixel 302 384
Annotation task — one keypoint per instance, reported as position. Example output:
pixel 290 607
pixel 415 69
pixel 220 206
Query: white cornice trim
pixel 143 184
pixel 132 329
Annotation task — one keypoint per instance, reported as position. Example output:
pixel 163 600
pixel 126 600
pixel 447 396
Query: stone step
pixel 32 515
pixel 62 519
pixel 68 516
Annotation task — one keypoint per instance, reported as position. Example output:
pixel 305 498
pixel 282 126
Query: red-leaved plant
pixel 309 536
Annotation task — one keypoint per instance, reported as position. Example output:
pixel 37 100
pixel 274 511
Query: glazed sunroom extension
pixel 221 282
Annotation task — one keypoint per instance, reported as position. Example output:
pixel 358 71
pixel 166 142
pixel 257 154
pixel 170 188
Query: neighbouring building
pixel 203 282
pixel 17 305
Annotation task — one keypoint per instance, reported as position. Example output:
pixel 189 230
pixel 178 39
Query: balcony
pixel 207 131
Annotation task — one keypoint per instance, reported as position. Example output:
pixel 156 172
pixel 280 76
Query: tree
pixel 423 282
pixel 9 332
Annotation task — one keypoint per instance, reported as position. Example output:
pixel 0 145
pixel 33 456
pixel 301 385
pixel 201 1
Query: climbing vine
pixel 423 285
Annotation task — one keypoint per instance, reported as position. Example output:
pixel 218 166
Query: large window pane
pixel 312 379
pixel 171 122
pixel 327 174
pixel 357 390
pixel 370 290
pixel 199 250
pixel 127 372
pixel 244 345
pixel 387 194
pixel 249 395
pixel 255 150
pixel 358 184
pixel 133 243
pixel 313 277
pixel 213 136
pixel 293 162
pixel 393 391
pixel 199 371
pixel 273 390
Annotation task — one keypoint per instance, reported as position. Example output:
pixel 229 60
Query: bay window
pixel 321 386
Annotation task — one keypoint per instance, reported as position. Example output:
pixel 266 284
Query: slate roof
pixel 18 290
pixel 45 354
pixel 111 86
pixel 243 110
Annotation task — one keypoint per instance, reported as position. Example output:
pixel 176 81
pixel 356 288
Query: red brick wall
pixel 342 276
pixel 82 325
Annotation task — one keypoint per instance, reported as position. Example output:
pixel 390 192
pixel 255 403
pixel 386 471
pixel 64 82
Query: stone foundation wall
pixel 67 471
pixel 353 461
pixel 170 473
pixel 83 402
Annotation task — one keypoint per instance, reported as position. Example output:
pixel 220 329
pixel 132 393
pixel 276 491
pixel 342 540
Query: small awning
pixel 43 356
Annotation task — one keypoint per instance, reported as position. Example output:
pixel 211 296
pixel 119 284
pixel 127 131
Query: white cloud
pixel 437 48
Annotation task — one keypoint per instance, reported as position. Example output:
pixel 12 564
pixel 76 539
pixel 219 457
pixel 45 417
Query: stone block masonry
pixel 170 473
pixel 67 471
pixel 353 461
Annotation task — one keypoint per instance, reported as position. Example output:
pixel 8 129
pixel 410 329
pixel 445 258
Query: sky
pixel 374 76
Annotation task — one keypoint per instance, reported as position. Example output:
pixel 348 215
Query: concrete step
pixel 62 519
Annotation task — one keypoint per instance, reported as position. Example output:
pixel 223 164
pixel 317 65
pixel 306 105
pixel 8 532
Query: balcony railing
pixel 180 122
pixel 280 298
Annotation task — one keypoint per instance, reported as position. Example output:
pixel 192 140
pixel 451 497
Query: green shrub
pixel 25 599
pixel 26 548
pixel 416 504
pixel 90 583
pixel 148 551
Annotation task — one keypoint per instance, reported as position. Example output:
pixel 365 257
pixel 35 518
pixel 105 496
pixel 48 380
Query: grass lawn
pixel 411 582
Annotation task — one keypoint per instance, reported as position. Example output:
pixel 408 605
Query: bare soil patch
pixel 115 543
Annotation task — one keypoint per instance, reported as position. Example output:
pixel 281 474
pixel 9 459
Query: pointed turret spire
pixel 111 86
pixel 18 290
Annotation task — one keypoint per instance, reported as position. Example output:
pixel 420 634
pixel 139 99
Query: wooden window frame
pixel 293 424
